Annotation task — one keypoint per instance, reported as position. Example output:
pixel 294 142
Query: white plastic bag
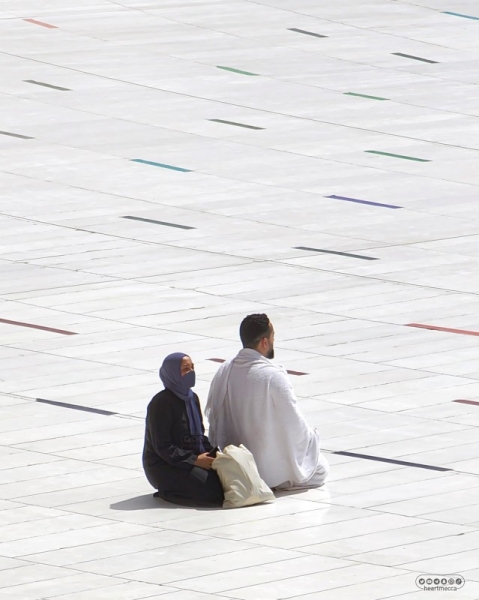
pixel 240 479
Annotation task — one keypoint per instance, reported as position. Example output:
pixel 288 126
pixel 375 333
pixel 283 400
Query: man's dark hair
pixel 253 329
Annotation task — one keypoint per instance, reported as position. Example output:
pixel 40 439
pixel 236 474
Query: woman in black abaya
pixel 175 454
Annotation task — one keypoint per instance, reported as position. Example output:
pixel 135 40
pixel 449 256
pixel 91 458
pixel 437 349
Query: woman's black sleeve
pixel 160 419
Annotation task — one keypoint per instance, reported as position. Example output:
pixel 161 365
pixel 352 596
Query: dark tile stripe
pixel 16 135
pixel 473 402
pixel 368 202
pixel 158 222
pixel 41 23
pixel 47 85
pixel 426 60
pixel 349 255
pixel 162 165
pixel 97 411
pixel 444 329
pixel 318 35
pixel 41 327
pixel 392 461
pixel 235 124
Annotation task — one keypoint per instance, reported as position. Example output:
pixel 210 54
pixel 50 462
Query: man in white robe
pixel 252 402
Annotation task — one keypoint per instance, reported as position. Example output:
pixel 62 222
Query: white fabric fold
pixel 252 402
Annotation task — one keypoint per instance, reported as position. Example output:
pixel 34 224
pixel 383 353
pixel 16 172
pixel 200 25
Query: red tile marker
pixel 41 23
pixel 222 360
pixel 445 329
pixel 473 402
pixel 41 327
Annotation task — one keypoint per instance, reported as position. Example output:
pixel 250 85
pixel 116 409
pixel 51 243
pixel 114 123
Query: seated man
pixel 252 402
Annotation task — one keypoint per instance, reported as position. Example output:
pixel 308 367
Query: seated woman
pixel 175 454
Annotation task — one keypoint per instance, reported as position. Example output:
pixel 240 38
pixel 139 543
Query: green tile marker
pixel 397 155
pixel 235 124
pixel 454 14
pixel 238 71
pixel 364 96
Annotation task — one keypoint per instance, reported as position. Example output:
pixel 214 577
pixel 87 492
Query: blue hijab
pixel 170 375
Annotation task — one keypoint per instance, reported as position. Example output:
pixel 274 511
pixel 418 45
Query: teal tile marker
pixel 238 71
pixel 454 14
pixel 397 155
pixel 365 96
pixel 163 166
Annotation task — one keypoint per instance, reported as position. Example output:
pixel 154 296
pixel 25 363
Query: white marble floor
pixel 317 161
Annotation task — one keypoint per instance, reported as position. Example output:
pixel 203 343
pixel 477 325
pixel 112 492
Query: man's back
pixel 252 402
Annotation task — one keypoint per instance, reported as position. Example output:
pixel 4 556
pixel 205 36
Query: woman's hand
pixel 204 461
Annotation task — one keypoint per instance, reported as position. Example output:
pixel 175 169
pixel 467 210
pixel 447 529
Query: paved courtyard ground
pixel 169 166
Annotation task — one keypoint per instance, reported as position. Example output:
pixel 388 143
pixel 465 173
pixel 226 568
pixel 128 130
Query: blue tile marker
pixel 454 14
pixel 368 202
pixel 163 166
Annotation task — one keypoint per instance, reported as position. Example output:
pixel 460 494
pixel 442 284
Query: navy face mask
pixel 189 379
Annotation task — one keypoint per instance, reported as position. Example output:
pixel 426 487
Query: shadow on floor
pixel 147 501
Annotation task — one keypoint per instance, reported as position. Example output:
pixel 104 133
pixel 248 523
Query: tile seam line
pixel 352 275
pixel 128 416
pixel 347 25
pixel 18 500
pixel 431 109
pixel 137 552
pixel 274 8
pixel 149 242
pixel 231 570
pixel 252 566
pixel 381 168
pixel 207 174
pixel 41 493
pixel 339 92
pixel 192 210
pixel 313 502
pixel 276 305
pixel 455 553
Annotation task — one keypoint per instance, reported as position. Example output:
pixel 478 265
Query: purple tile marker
pixel 363 201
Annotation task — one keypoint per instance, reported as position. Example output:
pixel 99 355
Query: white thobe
pixel 252 402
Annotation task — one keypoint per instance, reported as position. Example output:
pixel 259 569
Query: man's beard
pixel 270 354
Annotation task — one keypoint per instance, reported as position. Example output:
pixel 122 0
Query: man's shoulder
pixel 279 378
